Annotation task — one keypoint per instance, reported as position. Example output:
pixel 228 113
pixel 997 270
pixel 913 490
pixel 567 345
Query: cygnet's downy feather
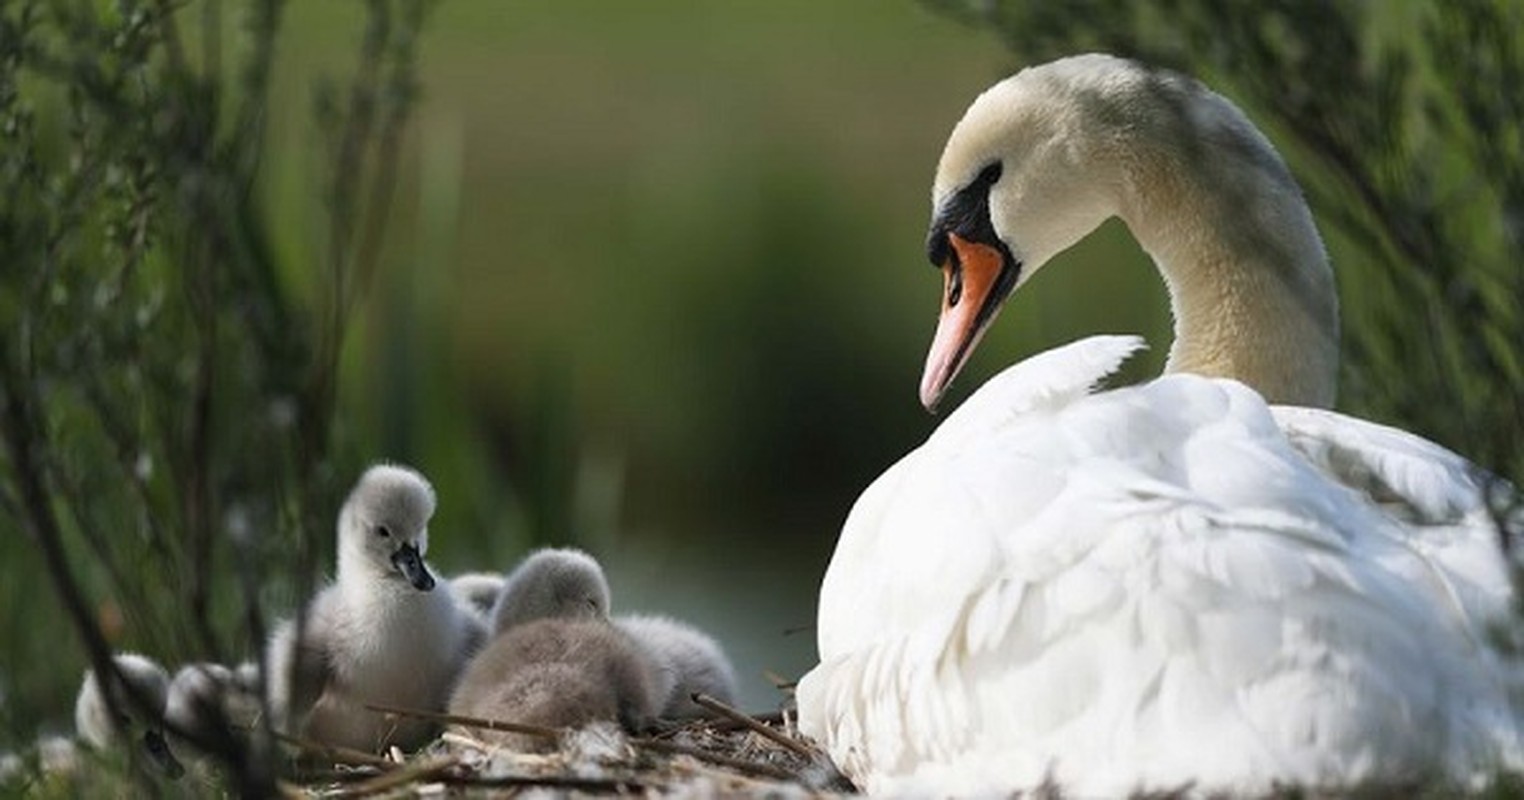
pixel 559 673
pixel 477 592
pixel 561 583
pixel 686 661
pixel 96 725
pixel 212 704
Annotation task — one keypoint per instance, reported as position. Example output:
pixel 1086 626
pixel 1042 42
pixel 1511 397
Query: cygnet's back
pixel 561 583
pixel 477 592
pixel 211 703
pixel 686 661
pixel 95 724
pixel 92 716
pixel 560 673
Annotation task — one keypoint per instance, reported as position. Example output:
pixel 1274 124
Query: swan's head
pixel 384 526
pixel 1037 162
pixel 561 583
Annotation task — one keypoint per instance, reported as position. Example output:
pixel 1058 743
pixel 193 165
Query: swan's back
pixel 1149 585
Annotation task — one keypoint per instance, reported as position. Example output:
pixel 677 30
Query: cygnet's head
pixel 384 526
pixel 561 583
pixel 95 723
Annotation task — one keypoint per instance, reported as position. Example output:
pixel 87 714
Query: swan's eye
pixel 383 531
pixel 989 174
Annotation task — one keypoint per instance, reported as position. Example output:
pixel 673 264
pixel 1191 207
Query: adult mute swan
pixel 1165 584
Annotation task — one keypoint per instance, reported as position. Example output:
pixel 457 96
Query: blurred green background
pixel 654 284
pixel 657 286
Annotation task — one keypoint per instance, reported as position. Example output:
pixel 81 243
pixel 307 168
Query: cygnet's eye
pixel 383 531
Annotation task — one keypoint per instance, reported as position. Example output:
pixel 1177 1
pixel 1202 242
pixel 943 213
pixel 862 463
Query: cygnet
pixel 559 673
pixel 477 592
pixel 210 703
pixel 378 634
pixel 99 728
pixel 562 583
pixel 686 661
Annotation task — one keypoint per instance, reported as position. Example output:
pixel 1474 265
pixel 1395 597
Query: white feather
pixel 1156 586
pixel 1168 584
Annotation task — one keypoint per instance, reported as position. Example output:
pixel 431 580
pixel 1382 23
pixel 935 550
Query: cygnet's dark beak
pixel 158 750
pixel 410 564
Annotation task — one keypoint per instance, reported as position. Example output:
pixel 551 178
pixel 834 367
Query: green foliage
pixel 1401 121
pixel 166 396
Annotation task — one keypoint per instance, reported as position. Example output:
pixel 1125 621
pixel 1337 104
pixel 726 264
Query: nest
pixel 732 754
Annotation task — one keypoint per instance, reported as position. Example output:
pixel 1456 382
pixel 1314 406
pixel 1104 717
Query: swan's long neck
pixel 1250 287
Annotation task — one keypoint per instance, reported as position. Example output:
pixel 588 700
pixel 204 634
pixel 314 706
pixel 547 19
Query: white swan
pixel 1164 584
pixel 379 634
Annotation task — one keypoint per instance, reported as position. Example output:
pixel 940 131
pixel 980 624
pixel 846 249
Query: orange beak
pixel 969 301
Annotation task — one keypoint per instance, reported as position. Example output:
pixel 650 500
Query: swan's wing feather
pixel 1162 621
pixel 1411 477
pixel 1451 515
pixel 1047 380
pixel 1153 579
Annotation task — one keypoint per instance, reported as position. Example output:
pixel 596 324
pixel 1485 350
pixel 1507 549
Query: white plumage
pixel 380 634
pixel 1165 584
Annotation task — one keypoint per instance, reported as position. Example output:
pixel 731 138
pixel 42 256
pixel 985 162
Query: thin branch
pixel 17 427
pixel 413 772
pixel 470 722
pixel 754 767
pixel 748 722
pixel 335 754
pixel 566 782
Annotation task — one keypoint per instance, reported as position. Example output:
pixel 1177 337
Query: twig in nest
pixel 754 767
pixel 471 722
pixel 402 776
pixel 335 753
pixel 311 777
pixel 546 781
pixel 746 721
pixel 779 682
pixel 766 718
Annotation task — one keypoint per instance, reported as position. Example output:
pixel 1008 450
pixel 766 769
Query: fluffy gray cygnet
pixel 560 673
pixel 685 661
pixel 477 592
pixel 379 634
pixel 95 724
pixel 561 583
pixel 210 703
